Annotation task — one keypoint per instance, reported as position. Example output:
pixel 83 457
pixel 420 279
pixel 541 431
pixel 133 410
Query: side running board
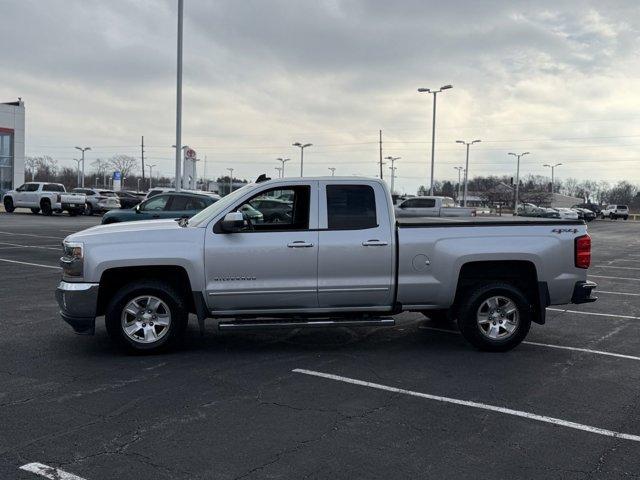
pixel 298 323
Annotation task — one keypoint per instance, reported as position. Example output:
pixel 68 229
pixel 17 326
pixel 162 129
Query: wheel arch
pixel 521 273
pixel 115 278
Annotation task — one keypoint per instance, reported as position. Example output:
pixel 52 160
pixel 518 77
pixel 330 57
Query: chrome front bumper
pixel 78 305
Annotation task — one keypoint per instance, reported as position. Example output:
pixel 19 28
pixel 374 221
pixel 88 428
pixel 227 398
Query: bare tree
pixel 124 164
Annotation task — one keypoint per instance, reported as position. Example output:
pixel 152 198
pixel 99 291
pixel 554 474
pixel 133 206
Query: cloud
pixel 557 78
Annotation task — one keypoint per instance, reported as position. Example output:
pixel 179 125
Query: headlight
pixel 72 259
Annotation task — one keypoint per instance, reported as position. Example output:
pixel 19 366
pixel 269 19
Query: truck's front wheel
pixel 146 316
pixel 495 317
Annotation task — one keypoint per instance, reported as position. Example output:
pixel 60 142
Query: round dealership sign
pixel 190 153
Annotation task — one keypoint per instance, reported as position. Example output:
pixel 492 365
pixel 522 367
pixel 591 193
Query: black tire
pixel 35 211
pixel 163 291
pixel 469 309
pixel 626 217
pixel 88 209
pixel 611 216
pixel 45 206
pixel 8 205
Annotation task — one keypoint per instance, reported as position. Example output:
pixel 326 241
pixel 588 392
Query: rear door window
pixel 351 207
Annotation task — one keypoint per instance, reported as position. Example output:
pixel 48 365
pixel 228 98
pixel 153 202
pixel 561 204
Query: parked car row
pixel 531 210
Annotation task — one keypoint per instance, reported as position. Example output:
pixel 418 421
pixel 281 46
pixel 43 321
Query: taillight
pixel 583 251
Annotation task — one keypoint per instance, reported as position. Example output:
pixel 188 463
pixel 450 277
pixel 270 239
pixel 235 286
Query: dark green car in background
pixel 166 205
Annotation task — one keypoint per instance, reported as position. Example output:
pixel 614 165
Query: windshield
pixel 218 206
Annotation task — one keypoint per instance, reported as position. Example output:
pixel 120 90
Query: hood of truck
pixel 133 230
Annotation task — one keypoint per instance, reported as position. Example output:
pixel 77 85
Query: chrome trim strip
pixel 260 292
pixel 354 289
pixel 76 287
pixel 217 313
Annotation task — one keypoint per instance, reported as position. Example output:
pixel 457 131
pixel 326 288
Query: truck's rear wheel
pixel 88 209
pixel 8 205
pixel 495 317
pixel 147 316
pixel 45 206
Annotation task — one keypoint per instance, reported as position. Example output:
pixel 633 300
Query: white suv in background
pixel 615 211
pixel 99 201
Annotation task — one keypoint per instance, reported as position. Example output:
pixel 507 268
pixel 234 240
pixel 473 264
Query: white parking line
pixel 619 293
pixel 615 278
pixel 549 345
pixel 481 406
pixel 17 245
pixel 30 235
pixel 615 266
pixel 593 313
pixel 49 472
pixel 28 263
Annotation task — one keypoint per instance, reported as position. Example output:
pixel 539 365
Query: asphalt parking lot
pixel 347 403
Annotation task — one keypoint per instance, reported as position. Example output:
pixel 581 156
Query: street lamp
pixel 433 126
pixel 552 167
pixel 179 96
pixel 393 169
pixel 83 149
pixel 333 171
pixel 150 174
pixel 283 161
pixel 302 147
pixel 230 179
pixel 460 169
pixel 466 170
pixel 279 170
pixel 515 203
pixel 77 160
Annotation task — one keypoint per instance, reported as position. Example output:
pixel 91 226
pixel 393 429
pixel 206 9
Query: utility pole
pixel 552 167
pixel 78 160
pixel 333 171
pixel 466 169
pixel 459 172
pixel 142 157
pixel 83 149
pixel 179 98
pixel 433 128
pixel 393 169
pixel 302 147
pixel 517 199
pixel 381 155
pixel 230 179
pixel 283 161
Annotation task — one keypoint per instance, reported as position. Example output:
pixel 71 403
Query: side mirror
pixel 137 208
pixel 402 205
pixel 232 222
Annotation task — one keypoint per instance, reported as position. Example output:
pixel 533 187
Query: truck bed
pixel 509 221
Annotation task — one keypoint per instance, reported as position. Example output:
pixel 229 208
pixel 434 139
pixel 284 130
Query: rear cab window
pixel 351 207
pixel 52 187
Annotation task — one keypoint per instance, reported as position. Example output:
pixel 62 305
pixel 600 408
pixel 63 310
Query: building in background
pixel 11 145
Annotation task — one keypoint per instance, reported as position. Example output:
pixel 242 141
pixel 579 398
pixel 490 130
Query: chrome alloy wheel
pixel 146 319
pixel 498 317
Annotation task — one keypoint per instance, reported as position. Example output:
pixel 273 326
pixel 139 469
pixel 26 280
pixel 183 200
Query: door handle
pixel 374 243
pixel 299 244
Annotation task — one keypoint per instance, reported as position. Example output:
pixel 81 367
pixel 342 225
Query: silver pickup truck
pixel 335 257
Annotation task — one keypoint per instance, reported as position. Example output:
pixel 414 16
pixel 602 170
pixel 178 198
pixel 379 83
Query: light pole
pixel 230 179
pixel 179 97
pixel 150 174
pixel 279 170
pixel 138 185
pixel 553 168
pixel 466 169
pixel 433 126
pixel 333 171
pixel 302 147
pixel 515 203
pixel 460 169
pixel 77 160
pixel 83 149
pixel 393 169
pixel 283 161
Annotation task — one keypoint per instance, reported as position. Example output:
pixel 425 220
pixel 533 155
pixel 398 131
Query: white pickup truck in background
pixel 44 197
pixel 432 207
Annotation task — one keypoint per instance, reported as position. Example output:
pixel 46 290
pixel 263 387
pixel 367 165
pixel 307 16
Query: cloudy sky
pixel 558 79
